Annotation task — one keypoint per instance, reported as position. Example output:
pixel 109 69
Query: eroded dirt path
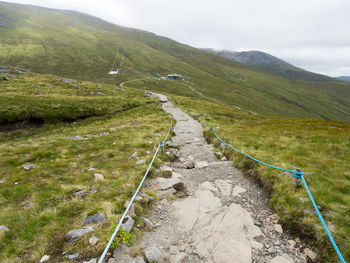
pixel 224 218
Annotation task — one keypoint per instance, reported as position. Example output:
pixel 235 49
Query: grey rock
pixel 237 190
pixel 93 240
pixel 291 243
pixel 76 138
pixel 45 258
pixel 281 259
pixel 222 236
pixel 120 250
pixel 74 234
pixel 131 211
pixel 162 184
pixel 97 93
pixel 158 134
pixel 27 167
pixel 278 228
pixel 134 155
pixel 93 219
pixel 170 144
pixel 73 256
pixel 94 260
pixel 139 259
pixel 141 162
pixel 120 89
pixel 201 165
pixel 101 134
pixel 148 223
pixel 4 78
pixel 79 194
pixel 274 218
pixel 175 152
pixel 173 250
pixel 98 176
pixel 167 192
pixel 153 254
pixel 144 195
pixel 4 228
pixel 311 255
pixel 112 260
pixel 2 181
pixel 67 81
pixel 178 258
pixel 166 171
pixel 128 223
pixel 92 190
pixel 189 164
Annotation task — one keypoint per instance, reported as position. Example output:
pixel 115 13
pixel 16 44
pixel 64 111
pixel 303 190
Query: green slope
pixel 75 45
pixel 40 205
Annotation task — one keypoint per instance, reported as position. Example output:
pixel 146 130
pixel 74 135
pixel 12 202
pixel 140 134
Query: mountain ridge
pixel 272 64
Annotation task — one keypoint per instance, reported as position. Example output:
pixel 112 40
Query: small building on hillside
pixel 175 76
pixel 113 72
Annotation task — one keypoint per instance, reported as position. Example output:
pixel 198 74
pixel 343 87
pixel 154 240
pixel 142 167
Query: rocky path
pixel 224 216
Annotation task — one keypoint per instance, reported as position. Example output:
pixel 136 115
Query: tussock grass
pixel 62 164
pixel 319 147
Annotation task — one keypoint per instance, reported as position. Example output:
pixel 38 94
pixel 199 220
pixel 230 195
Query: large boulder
pixel 217 232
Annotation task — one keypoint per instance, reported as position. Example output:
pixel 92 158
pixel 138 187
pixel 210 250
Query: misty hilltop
pixel 271 64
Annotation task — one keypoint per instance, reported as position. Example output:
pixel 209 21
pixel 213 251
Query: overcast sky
pixel 312 34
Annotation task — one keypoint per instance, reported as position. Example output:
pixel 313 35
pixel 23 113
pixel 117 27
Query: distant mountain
pixel 344 78
pixel 271 64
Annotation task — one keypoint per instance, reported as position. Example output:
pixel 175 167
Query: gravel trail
pixel 224 216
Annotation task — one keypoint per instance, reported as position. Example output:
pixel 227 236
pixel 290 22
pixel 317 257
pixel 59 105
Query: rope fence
pixel 161 144
pixel 296 173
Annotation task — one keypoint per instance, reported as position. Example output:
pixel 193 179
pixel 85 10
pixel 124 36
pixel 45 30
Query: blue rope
pixel 205 123
pixel 134 196
pixel 322 221
pixel 294 172
pixel 299 175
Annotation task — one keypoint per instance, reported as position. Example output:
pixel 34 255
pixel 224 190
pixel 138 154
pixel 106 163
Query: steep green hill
pixel 272 64
pixel 76 45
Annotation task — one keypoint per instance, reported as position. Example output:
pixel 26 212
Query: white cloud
pixel 312 34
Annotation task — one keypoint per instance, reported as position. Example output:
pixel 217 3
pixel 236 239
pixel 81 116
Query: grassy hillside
pixel 41 204
pixel 319 148
pixel 75 45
